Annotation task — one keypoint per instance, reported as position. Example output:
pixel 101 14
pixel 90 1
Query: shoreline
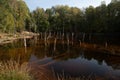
pixel 106 49
pixel 102 48
pixel 111 49
pixel 9 38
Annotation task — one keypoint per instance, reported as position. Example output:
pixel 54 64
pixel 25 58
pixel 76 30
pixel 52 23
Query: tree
pixel 6 18
pixel 13 15
pixel 22 14
pixel 30 24
pixel 90 19
pixel 101 18
pixel 40 19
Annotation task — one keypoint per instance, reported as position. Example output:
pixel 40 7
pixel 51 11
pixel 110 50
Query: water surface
pixel 63 58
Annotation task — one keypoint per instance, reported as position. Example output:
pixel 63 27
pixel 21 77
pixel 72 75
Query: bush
pixel 12 70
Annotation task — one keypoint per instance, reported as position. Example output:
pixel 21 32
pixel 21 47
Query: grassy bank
pixel 12 70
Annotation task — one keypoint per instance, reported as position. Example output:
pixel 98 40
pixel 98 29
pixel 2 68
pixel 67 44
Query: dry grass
pixel 12 70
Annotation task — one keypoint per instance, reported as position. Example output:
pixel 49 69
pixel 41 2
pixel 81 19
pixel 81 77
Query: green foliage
pixel 40 19
pixel 71 19
pixel 30 24
pixel 13 14
pixel 20 12
pixel 114 16
pixel 16 17
pixel 63 18
pixel 6 21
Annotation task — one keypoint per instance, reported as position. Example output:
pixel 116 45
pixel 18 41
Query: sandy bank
pixel 8 38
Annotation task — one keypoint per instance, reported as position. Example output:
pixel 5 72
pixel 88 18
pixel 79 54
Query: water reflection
pixel 75 61
pixel 71 60
pixel 82 66
pixel 76 67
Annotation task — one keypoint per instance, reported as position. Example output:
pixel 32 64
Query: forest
pixel 59 43
pixel 15 16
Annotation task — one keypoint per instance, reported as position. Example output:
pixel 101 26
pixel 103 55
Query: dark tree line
pixel 16 17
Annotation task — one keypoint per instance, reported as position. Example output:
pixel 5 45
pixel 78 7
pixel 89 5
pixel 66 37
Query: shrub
pixel 12 70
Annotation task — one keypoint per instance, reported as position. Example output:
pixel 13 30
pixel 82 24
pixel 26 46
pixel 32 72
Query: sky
pixel 33 4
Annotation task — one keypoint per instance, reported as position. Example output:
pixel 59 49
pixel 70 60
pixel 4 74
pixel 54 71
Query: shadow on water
pixel 68 59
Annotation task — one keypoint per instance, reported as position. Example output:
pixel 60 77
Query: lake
pixel 69 60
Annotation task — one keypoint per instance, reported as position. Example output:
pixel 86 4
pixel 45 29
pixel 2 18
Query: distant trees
pixel 104 18
pixel 16 17
pixel 64 18
pixel 114 16
pixel 41 20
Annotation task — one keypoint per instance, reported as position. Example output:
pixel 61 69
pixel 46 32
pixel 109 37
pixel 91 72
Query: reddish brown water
pixel 63 59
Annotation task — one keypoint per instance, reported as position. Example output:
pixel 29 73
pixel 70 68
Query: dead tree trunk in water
pixel 35 39
pixel 68 42
pixel 72 37
pixel 55 40
pixel 60 35
pixel 90 37
pixel 57 36
pixel 83 37
pixel 106 44
pixel 49 34
pixel 68 39
pixel 48 38
pixel 80 42
pixel 41 36
pixel 63 36
pixel 45 39
pixel 25 44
